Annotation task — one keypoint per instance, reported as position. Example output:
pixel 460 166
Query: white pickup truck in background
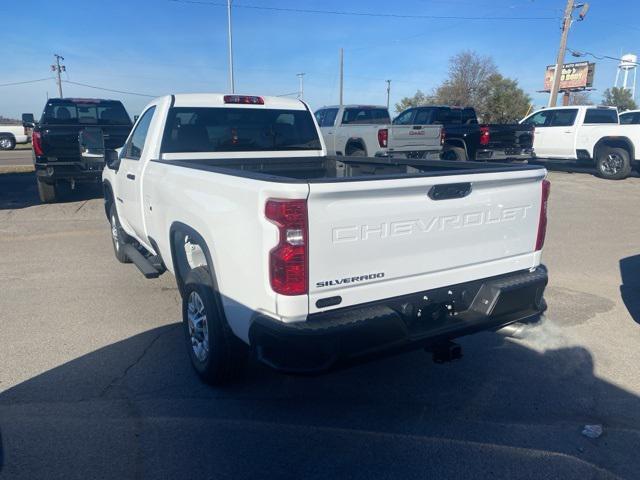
pixel 10 135
pixel 366 131
pixel 586 134
pixel 311 261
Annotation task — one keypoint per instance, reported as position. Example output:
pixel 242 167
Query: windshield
pixel 192 129
pixel 81 113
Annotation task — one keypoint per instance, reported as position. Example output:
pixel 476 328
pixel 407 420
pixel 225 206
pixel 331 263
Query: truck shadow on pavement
pixel 630 285
pixel 135 409
pixel 19 190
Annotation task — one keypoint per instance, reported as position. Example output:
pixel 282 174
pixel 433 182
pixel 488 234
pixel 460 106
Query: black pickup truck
pixel 56 149
pixel 466 139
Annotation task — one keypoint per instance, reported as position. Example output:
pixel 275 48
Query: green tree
pixel 504 101
pixel 619 97
pixel 417 100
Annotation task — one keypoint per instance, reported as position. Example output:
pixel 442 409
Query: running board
pixel 140 261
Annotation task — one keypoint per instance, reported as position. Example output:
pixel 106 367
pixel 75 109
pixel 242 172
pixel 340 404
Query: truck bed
pixel 337 169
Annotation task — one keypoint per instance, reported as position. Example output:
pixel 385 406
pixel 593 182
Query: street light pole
pixel 566 25
pixel 301 89
pixel 230 41
pixel 388 92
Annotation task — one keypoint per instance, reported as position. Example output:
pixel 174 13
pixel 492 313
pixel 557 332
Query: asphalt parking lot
pixel 95 381
pixel 15 158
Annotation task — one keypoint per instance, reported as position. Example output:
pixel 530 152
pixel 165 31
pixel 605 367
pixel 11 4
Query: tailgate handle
pixel 417 127
pixel 449 191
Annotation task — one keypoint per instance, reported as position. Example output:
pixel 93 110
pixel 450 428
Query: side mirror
pixel 112 159
pixel 135 118
pixel 28 120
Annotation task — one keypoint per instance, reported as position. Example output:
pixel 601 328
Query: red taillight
pixel 243 99
pixel 443 136
pixel 383 137
pixel 484 136
pixel 288 259
pixel 36 141
pixel 542 223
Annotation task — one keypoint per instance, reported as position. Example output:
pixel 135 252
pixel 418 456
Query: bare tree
pixel 580 98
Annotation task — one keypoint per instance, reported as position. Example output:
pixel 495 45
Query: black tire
pixel 356 152
pixel 225 357
pixel 7 142
pixel 46 191
pixel 457 154
pixel 118 237
pixel 613 163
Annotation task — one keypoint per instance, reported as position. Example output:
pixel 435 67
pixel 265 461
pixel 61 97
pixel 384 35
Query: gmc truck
pixel 366 131
pixel 56 152
pixel 311 261
pixel 466 139
pixel 588 135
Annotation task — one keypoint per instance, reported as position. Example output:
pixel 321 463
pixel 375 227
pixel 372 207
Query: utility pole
pixel 566 25
pixel 341 74
pixel 58 68
pixel 230 36
pixel 301 89
pixel 388 92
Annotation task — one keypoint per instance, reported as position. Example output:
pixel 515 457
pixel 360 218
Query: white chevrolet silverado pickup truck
pixel 309 261
pixel 10 135
pixel 367 131
pixel 587 134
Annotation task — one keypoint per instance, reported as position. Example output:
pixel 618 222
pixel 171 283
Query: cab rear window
pixel 601 115
pixel 79 113
pixel 201 129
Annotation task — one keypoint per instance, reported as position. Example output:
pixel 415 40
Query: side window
pixel 540 119
pixel 329 117
pixel 320 116
pixel 601 115
pixel 564 117
pixel 423 117
pixel 631 118
pixel 135 146
pixel 404 118
pixel 469 117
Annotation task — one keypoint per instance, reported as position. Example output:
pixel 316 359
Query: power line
pixel 577 53
pixel 111 89
pixel 25 82
pixel 358 14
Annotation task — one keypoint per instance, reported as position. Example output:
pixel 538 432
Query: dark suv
pixel 56 148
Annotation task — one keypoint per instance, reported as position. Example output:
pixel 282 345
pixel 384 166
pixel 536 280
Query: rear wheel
pixel 454 153
pixel 46 191
pixel 216 354
pixel 613 163
pixel 118 237
pixel 7 142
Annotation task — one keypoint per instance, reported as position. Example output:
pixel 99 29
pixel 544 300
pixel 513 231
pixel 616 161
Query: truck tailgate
pixel 371 240
pixel 510 136
pixel 423 136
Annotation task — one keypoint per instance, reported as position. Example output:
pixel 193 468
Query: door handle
pixel 131 176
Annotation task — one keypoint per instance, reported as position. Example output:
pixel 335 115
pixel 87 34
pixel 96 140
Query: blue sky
pixel 160 46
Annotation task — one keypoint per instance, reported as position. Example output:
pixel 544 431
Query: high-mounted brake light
pixel 484 135
pixel 36 142
pixel 288 259
pixel 244 99
pixel 383 137
pixel 542 223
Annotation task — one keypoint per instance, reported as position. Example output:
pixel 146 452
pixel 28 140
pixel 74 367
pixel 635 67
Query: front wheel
pixel 613 163
pixel 216 354
pixel 118 237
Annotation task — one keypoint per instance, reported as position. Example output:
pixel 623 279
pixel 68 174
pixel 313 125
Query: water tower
pixel 627 63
